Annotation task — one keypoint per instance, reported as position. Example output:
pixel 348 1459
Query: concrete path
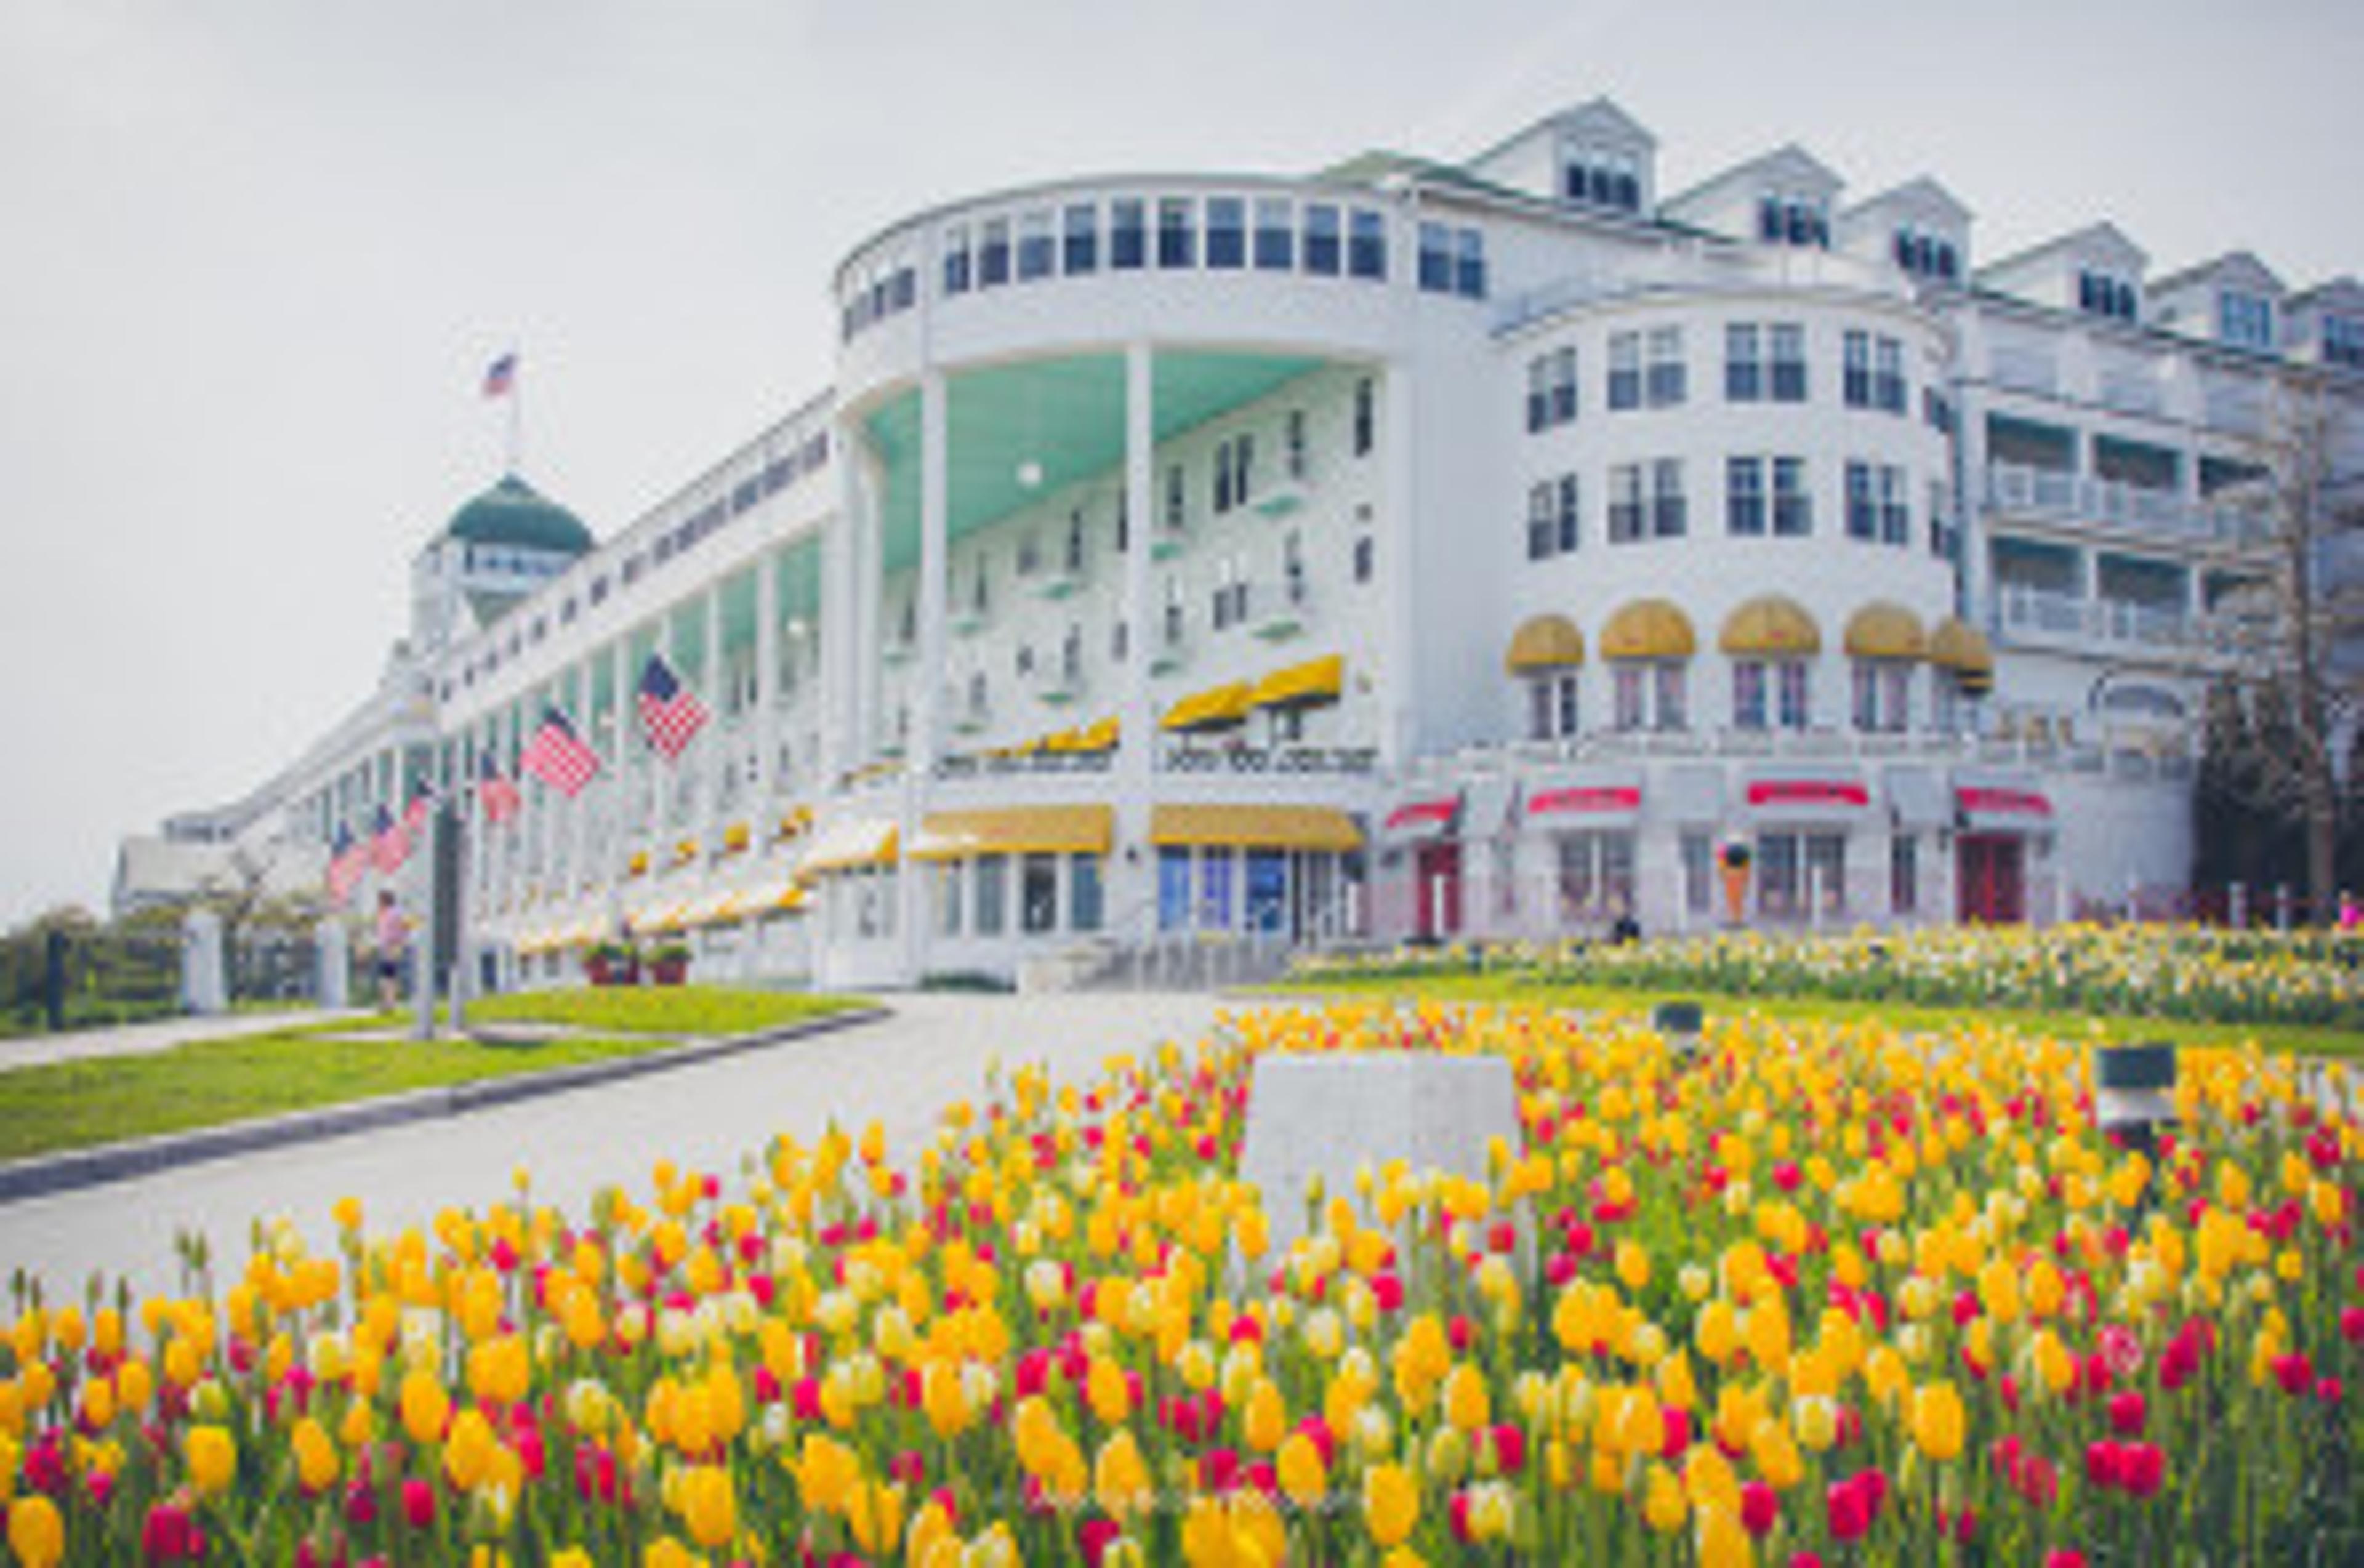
pixel 130 1040
pixel 710 1116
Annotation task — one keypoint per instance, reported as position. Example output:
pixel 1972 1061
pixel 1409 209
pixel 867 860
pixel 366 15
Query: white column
pixel 767 690
pixel 1130 886
pixel 841 697
pixel 928 676
pixel 1398 571
pixel 579 811
pixel 624 828
pixel 869 567
pixel 717 752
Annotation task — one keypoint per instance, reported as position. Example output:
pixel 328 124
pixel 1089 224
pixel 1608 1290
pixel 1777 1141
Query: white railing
pixel 2023 613
pixel 2070 497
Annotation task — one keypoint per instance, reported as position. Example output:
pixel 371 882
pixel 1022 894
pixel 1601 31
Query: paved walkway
pixel 131 1039
pixel 711 1116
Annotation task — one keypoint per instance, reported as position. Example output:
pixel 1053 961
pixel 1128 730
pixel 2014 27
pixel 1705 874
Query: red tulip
pixel 2143 1468
pixel 2127 1411
pixel 418 1504
pixel 2294 1372
pixel 2104 1463
pixel 1850 1514
pixel 2064 1557
pixel 1760 1506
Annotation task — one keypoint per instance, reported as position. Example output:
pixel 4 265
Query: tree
pixel 2294 629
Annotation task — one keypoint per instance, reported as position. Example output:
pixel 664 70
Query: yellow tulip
pixel 1390 1503
pixel 213 1459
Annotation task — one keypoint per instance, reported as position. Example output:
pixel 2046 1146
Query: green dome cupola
pixel 514 515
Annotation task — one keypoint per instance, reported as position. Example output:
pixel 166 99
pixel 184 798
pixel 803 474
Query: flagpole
pixel 516 411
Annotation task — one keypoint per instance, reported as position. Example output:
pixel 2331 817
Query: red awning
pixel 1580 799
pixel 1989 801
pixel 1807 792
pixel 1424 816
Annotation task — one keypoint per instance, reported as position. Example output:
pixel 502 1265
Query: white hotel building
pixel 1404 548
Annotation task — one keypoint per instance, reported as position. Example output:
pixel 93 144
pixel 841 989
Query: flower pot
pixel 669 971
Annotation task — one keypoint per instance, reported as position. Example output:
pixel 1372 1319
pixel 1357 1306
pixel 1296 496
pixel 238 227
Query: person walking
pixel 393 938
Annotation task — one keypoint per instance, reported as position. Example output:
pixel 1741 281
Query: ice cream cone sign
pixel 1732 858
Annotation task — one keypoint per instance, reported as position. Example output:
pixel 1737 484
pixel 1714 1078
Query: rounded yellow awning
pixel 1962 648
pixel 1218 707
pixel 1543 643
pixel 1885 630
pixel 1771 624
pixel 1648 628
pixel 1315 682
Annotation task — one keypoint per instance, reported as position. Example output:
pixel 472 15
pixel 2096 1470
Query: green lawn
pixel 658 1009
pixel 2304 1040
pixel 73 1104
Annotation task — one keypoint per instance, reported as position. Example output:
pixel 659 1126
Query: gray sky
pixel 254 255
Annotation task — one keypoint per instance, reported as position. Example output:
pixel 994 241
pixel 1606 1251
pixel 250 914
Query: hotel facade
pixel 1191 562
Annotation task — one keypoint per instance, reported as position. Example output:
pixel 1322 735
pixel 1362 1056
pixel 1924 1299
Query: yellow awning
pixel 1771 624
pixel 656 920
pixel 1543 643
pixel 1015 831
pixel 1254 826
pixel 1217 707
pixel 788 899
pixel 1648 628
pixel 1885 630
pixel 1099 736
pixel 1958 646
pixel 849 843
pixel 1302 685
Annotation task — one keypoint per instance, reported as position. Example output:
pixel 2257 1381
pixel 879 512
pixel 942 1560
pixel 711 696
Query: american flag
pixel 500 376
pixel 346 864
pixel 421 807
pixel 669 711
pixel 558 757
pixel 500 797
pixel 389 843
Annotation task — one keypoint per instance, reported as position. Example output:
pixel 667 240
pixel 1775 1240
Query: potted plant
pixel 611 963
pixel 1732 859
pixel 669 964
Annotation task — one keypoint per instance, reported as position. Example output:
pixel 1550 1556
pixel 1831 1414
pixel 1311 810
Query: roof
pixel 2240 267
pixel 1377 164
pixel 1789 164
pixel 514 513
pixel 2100 237
pixel 1918 194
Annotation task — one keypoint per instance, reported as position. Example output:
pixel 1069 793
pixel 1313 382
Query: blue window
pixel 1624 370
pixel 903 289
pixel 993 257
pixel 1276 238
pixel 1862 508
pixel 2246 319
pixel 1744 372
pixel 2343 342
pixel 1743 495
pixel 1267 890
pixel 1366 254
pixel 1082 239
pixel 1435 258
pixel 1794 504
pixel 1322 254
pixel 1215 880
pixel 1177 239
pixel 1128 235
pixel 1173 889
pixel 1469 263
pixel 1855 381
pixel 1227 242
pixel 957 261
pixel 1789 362
pixel 1034 250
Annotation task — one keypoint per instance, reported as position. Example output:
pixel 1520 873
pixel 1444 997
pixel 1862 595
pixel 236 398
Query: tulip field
pixel 1808 1296
pixel 2188 973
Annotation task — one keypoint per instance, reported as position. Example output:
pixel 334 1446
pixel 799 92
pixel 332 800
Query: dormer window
pixel 2343 342
pixel 1926 255
pixel 2245 320
pixel 2099 294
pixel 1600 178
pixel 1785 218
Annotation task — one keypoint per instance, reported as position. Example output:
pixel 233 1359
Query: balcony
pixel 2046 616
pixel 1275 614
pixel 2064 496
pixel 1281 499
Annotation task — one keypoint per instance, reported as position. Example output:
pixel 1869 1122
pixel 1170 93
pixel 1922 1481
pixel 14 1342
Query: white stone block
pixel 1325 1114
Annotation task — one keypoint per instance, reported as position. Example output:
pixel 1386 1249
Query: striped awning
pixel 1543 643
pixel 1771 624
pixel 2001 803
pixel 1015 831
pixel 1586 797
pixel 1253 827
pixel 1648 628
pixel 1418 817
pixel 1808 795
pixel 1885 630
pixel 849 843
pixel 1307 684
pixel 1217 707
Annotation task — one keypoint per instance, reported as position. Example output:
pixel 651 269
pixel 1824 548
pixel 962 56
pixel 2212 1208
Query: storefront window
pixel 1173 889
pixel 948 898
pixel 1084 893
pixel 992 872
pixel 1038 894
pixel 1215 890
pixel 1268 891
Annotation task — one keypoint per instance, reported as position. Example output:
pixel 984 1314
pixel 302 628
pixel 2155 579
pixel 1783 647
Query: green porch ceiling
pixel 1063 416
